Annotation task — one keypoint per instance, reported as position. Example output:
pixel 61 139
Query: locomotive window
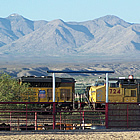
pixel 130 93
pixel 62 94
pixel 49 93
pixel 99 82
pixel 68 94
pixel 133 93
pixel 114 84
pixel 65 94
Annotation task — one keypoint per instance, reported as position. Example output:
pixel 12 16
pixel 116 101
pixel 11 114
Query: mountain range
pixel 107 36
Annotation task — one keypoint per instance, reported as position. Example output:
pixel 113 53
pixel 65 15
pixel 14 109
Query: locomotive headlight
pixel 130 77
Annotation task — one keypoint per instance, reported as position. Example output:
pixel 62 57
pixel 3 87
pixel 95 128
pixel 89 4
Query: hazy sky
pixel 71 10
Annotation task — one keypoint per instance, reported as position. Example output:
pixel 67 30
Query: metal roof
pixel 52 71
pixel 46 79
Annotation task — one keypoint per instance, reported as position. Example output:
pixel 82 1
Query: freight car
pixel 120 90
pixel 43 90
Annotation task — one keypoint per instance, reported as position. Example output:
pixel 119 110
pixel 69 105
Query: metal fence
pixel 43 116
pixel 122 115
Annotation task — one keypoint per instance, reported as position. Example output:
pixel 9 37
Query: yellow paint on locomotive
pixel 96 94
pixel 130 95
pixel 116 94
pixel 43 90
pixel 62 94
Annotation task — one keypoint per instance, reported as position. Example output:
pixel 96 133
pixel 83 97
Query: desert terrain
pixel 103 134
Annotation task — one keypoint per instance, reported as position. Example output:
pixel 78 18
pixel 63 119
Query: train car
pixel 43 90
pixel 120 90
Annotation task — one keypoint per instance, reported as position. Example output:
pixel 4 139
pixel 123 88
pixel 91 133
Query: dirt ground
pixel 118 134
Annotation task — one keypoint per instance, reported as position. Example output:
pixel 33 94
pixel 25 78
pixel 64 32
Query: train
pixel 120 90
pixel 43 89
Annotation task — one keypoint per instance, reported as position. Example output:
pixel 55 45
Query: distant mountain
pixel 105 36
pixel 15 26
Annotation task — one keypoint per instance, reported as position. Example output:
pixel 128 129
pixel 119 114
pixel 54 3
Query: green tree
pixel 11 90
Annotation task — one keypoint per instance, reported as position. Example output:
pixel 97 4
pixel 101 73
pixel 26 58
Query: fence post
pixel 53 115
pixel 35 120
pixel 10 120
pixel 60 120
pixel 80 105
pixel 26 116
pixel 106 115
pixel 127 115
pixel 18 124
pixel 83 121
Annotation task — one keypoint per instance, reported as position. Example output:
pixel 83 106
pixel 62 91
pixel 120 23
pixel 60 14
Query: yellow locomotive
pixel 120 90
pixel 43 91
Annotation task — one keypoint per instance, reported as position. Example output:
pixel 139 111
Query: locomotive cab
pixel 97 93
pixel 130 89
